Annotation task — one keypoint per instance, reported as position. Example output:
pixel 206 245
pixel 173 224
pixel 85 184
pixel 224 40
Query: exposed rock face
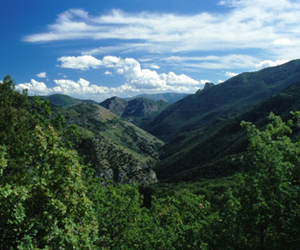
pixel 115 164
pixel 208 85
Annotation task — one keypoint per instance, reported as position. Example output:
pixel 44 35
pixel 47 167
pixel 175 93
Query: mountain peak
pixel 208 85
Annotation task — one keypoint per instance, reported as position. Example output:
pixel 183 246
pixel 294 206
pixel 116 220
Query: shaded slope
pixel 216 150
pixel 224 100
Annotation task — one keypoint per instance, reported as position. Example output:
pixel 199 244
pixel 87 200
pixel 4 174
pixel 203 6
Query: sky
pixel 101 48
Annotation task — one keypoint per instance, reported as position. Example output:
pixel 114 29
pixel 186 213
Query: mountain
pixel 65 100
pixel 117 150
pixel 218 150
pixel 115 105
pixel 167 97
pixel 222 101
pixel 139 110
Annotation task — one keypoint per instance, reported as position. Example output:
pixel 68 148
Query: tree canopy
pixel 50 200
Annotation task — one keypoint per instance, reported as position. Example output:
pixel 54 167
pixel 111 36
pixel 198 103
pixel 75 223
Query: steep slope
pixel 217 150
pixel 117 150
pixel 222 101
pixel 138 110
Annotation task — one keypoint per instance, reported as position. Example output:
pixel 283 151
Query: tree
pixel 43 198
pixel 264 213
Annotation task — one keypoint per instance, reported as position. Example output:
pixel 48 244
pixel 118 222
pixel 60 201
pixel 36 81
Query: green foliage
pixel 49 200
pixel 42 192
pixel 171 222
pixel 264 212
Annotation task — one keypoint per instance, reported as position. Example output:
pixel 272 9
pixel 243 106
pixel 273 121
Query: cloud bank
pixel 137 79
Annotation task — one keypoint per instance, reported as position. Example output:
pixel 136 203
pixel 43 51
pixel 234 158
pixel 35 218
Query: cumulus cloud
pixel 34 87
pixel 108 73
pixel 270 63
pixel 80 62
pixel 81 87
pixel 131 69
pixel 85 90
pixel 230 74
pixel 42 75
pixel 137 80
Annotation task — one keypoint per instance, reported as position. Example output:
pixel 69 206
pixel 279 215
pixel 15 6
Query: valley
pixel 207 170
pixel 200 136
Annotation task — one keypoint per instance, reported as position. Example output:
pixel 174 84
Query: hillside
pixel 65 100
pixel 117 149
pixel 224 100
pixel 218 150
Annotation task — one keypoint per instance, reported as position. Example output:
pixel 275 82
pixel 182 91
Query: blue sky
pixel 100 48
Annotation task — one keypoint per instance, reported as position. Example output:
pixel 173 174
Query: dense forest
pixel 50 198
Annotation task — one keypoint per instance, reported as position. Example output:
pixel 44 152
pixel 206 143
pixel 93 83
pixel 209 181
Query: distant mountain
pixel 115 105
pixel 65 100
pixel 167 97
pixel 117 150
pixel 138 110
pixel 222 101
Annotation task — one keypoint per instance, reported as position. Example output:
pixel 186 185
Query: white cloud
pixel 154 67
pixel 205 81
pixel 137 80
pixel 34 87
pixel 282 42
pixel 84 90
pixel 220 81
pixel 230 74
pixel 212 62
pixel 132 71
pixel 108 73
pixel 42 75
pixel 81 87
pixel 80 62
pixel 270 63
pixel 172 32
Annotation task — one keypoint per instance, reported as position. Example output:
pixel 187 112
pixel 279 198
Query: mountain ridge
pixel 223 100
pixel 219 152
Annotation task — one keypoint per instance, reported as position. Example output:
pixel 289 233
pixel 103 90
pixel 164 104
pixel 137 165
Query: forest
pixel 50 198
